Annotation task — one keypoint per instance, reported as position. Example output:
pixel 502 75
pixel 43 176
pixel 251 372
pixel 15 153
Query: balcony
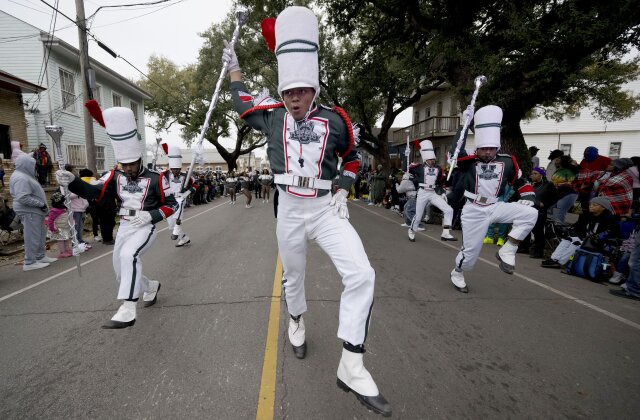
pixel 431 127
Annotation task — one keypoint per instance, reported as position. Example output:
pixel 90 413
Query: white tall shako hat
pixel 487 125
pixel 297 48
pixel 123 131
pixel 175 157
pixel 426 150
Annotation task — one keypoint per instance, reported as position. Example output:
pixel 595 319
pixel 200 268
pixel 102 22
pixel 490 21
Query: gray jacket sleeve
pixel 24 197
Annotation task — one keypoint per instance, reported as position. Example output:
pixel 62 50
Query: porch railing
pixel 431 127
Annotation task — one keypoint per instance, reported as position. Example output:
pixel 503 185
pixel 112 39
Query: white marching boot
pixel 297 336
pixel 125 317
pixel 507 257
pixel 447 236
pixel 354 377
pixel 412 235
pixel 457 278
pixel 151 295
pixel 184 240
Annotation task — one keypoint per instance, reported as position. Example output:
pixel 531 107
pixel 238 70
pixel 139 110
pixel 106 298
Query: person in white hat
pixel 428 180
pixel 145 200
pixel 175 177
pixel 485 176
pixel 305 142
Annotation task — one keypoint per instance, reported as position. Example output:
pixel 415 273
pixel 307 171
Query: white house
pixel 213 161
pixel 438 115
pixel 33 55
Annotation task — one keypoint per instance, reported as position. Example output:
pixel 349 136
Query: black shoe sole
pixel 448 239
pixel 362 400
pixel 155 299
pixel 181 245
pixel 116 325
pixel 464 289
pixel 300 351
pixel 507 268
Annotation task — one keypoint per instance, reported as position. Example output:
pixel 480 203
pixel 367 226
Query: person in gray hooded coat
pixel 30 205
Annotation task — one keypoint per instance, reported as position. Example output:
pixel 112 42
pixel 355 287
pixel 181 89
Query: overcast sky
pixel 168 29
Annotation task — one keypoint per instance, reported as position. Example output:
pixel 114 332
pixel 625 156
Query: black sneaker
pixel 551 264
pixel 624 293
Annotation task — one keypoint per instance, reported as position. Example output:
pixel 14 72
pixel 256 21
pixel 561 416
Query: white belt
pixel 128 212
pixel 480 199
pixel 303 181
pixel 427 186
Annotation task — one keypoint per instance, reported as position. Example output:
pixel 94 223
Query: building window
pixel 97 94
pixel 100 158
pixel 134 108
pixel 416 117
pixel 427 112
pixel 566 149
pixel 117 99
pixel 68 90
pixel 614 150
pixel 76 155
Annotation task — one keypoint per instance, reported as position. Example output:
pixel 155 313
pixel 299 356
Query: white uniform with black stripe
pixel 427 196
pixel 175 186
pixel 483 208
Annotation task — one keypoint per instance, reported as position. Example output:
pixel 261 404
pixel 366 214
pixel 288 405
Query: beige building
pixel 213 162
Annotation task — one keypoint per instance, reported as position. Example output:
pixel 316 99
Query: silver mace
pixel 55 131
pixel 242 16
pixel 155 155
pixel 478 81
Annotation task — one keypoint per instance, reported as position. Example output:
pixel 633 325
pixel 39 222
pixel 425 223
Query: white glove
pixel 64 178
pixel 185 194
pixel 528 203
pixel 229 56
pixel 143 218
pixel 406 176
pixel 339 204
pixel 467 113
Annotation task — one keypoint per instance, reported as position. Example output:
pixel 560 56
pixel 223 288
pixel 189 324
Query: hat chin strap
pixel 315 96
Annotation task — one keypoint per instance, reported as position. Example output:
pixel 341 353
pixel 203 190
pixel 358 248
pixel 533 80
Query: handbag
pixel 588 265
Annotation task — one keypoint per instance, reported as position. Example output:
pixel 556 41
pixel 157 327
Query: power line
pixel 128 5
pixel 114 54
pixel 139 16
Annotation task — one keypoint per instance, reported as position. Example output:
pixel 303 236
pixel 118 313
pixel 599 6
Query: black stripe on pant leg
pixel 461 259
pixel 135 258
pixel 180 212
pixel 366 328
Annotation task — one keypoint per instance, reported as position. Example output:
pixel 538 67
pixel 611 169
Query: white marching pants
pixel 476 220
pixel 172 220
pixel 131 243
pixel 302 219
pixel 426 198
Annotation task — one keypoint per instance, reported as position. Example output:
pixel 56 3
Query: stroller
pixel 554 232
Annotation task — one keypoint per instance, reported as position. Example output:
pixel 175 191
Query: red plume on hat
pixel 416 143
pixel 94 110
pixel 165 147
pixel 269 33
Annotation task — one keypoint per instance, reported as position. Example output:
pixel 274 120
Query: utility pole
pixel 86 88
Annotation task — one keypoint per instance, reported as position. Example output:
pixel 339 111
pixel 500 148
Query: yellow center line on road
pixel 266 399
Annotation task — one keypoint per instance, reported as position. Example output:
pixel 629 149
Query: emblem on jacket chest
pixel 304 133
pixel 488 172
pixel 132 187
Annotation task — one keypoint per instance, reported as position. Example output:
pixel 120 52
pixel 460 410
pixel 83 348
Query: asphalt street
pixel 538 344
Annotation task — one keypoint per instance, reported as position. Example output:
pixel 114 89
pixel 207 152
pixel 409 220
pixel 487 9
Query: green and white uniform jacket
pixel 310 148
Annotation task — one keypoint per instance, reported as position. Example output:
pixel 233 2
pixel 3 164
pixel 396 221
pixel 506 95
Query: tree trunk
pixel 512 143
